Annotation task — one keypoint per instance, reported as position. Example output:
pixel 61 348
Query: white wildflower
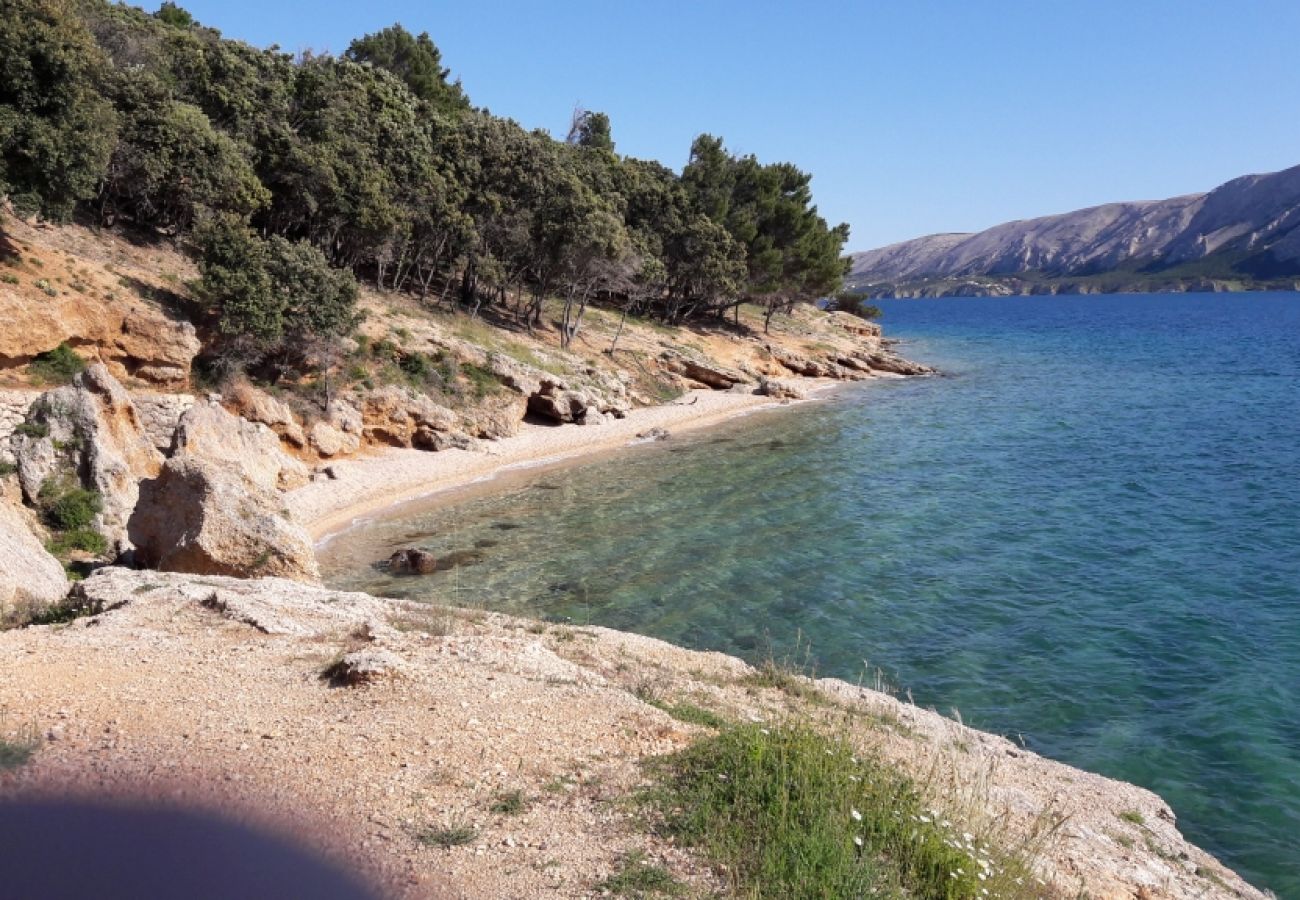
pixel 857 816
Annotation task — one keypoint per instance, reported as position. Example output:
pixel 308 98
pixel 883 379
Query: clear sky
pixel 914 116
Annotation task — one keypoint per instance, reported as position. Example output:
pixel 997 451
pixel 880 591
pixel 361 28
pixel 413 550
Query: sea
pixel 1084 534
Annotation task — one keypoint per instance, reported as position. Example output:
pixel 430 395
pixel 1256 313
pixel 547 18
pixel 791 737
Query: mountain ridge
pixel 1242 235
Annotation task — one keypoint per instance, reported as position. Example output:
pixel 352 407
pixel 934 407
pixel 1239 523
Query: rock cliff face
pixel 131 337
pixel 30 579
pixel 1246 227
pixel 90 432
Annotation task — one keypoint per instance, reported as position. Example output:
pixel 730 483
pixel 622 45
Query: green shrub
pixel 68 507
pixel 7 469
pixel 857 305
pixel 57 366
pixel 32 429
pixel 9 278
pixel 787 812
pixel 482 382
pixel 84 539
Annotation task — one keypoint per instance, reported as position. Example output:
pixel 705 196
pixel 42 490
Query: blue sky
pixel 914 116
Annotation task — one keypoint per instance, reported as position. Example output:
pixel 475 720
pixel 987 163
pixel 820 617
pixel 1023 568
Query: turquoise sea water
pixel 1087 533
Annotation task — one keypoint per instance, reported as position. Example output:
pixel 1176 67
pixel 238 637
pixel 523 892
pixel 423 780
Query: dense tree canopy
pixel 274 169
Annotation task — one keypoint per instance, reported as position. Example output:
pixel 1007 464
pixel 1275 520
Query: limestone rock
pixel 207 431
pixel 258 406
pixel 803 365
pixel 520 378
pixel 559 404
pixel 339 433
pixel 496 417
pixel 30 579
pixel 654 434
pixel 779 390
pixel 210 518
pixel 93 433
pixel 413 561
pixel 706 372
pixel 401 417
pixel 130 336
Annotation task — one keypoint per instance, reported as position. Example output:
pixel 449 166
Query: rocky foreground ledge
pixel 361 723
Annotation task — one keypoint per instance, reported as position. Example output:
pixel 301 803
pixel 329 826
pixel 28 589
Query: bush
pixel 857 305
pixel 57 366
pixel 69 508
pixel 32 429
pixel 85 539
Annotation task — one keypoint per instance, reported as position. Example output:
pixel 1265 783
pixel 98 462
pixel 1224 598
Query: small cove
pixel 1087 534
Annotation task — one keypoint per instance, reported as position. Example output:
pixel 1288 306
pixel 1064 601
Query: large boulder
pixel 495 417
pixel 132 337
pixel 258 406
pixel 339 433
pixel 207 431
pixel 30 579
pixel 208 517
pixel 89 431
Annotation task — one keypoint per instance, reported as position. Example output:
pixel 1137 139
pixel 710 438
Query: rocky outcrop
pixel 132 338
pixel 258 406
pixel 706 372
pixel 805 365
pixel 207 431
pixel 160 414
pixel 13 412
pixel 779 390
pixel 339 433
pixel 400 417
pixel 365 666
pixel 496 417
pixel 30 579
pixel 210 518
pixel 91 432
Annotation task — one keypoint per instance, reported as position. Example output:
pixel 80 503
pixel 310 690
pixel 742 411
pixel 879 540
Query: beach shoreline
pixel 366 487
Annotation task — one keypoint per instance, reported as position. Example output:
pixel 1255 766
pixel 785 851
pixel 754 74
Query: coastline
pixel 370 485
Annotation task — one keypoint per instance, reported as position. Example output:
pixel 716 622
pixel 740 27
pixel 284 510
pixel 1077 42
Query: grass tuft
pixel 17 750
pixel 510 803
pixel 636 877
pixel 786 812
pixel 457 835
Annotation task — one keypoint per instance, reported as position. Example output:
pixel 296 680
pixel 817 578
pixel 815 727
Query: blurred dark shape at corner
pixel 52 850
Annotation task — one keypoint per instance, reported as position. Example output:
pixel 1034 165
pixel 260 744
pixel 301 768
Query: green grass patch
pixel 86 540
pixel 18 749
pixel 510 803
pixel 786 812
pixel 445 838
pixel 690 713
pixel 1132 816
pixel 57 366
pixel 637 877
pixel 69 507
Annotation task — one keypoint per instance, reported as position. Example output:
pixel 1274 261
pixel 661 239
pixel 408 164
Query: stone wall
pixel 158 413
pixel 13 410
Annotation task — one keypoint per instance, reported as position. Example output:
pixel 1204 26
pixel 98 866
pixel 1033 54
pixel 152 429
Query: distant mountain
pixel 1242 235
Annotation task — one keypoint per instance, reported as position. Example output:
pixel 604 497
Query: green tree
pixel 416 61
pixel 56 131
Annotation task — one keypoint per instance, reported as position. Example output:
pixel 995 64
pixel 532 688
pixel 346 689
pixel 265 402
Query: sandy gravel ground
pixel 367 485
pixel 208 691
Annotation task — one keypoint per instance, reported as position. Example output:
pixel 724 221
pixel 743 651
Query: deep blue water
pixel 1087 533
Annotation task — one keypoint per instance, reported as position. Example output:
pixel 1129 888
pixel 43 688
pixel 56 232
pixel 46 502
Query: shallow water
pixel 1087 534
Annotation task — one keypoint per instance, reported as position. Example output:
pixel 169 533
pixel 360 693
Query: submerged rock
pixel 412 561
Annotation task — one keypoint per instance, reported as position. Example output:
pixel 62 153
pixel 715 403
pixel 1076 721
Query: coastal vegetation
pixel 289 178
